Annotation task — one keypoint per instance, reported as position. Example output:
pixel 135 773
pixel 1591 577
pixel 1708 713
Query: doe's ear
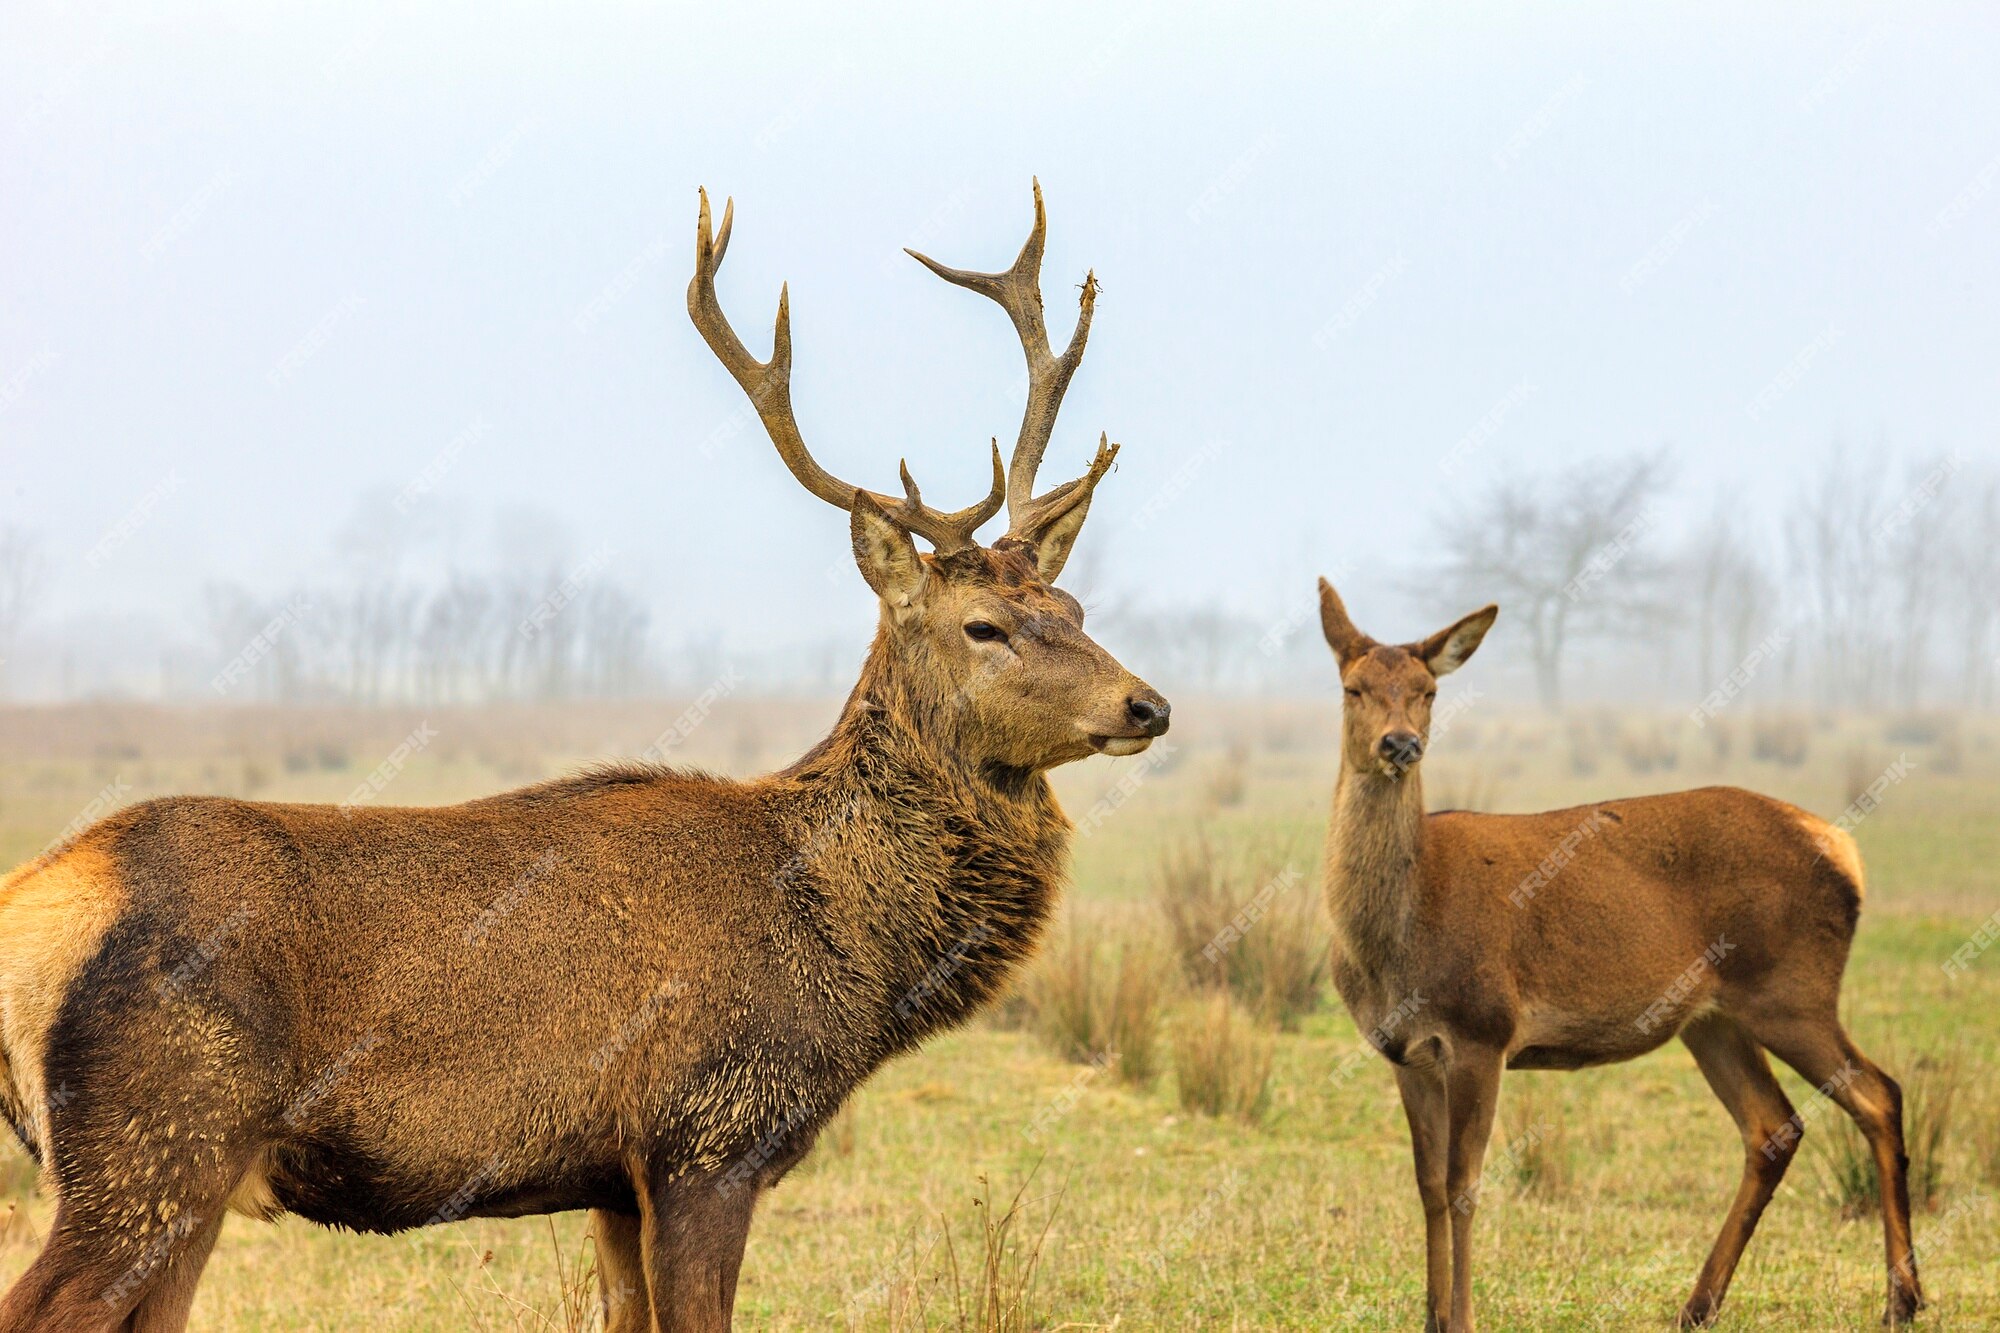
pixel 1446 651
pixel 1346 641
pixel 885 553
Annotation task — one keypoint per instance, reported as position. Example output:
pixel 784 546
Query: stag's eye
pixel 1353 693
pixel 979 631
pixel 1430 694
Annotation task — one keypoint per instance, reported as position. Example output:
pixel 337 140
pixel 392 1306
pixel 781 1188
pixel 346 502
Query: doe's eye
pixel 979 631
pixel 1353 693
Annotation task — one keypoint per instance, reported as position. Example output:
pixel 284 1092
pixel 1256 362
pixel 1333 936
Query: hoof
pixel 1699 1312
pixel 1902 1308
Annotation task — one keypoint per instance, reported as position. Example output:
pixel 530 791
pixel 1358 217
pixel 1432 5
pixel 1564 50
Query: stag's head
pixel 980 636
pixel 1389 688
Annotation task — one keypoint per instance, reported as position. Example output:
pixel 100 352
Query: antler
pixel 769 384
pixel 1019 292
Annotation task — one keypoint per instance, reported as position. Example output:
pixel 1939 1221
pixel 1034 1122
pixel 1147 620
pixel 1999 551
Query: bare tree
pixel 1564 552
pixel 1731 596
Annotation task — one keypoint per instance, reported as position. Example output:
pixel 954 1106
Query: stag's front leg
pixel 693 1227
pixel 1472 1085
pixel 1429 1112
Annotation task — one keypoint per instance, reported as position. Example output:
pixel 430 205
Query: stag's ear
pixel 1053 543
pixel 1346 641
pixel 887 556
pixel 1445 651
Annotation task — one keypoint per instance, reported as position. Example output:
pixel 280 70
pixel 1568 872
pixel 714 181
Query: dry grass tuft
pixel 1096 1003
pixel 1258 935
pixel 1931 1081
pixel 1222 1061
pixel 1540 1156
pixel 994 1289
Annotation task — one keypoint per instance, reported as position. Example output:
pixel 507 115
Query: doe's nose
pixel 1401 748
pixel 1149 712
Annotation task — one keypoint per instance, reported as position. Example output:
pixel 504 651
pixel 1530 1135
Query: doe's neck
pixel 1374 843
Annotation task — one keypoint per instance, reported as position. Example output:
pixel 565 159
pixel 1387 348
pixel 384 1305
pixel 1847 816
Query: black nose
pixel 1150 712
pixel 1401 748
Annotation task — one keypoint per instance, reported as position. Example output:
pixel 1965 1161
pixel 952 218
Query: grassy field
pixel 1129 1210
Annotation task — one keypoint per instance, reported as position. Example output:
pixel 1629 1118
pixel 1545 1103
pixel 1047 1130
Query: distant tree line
pixel 1878 586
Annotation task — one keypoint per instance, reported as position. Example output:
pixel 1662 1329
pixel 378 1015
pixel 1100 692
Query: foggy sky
pixel 258 264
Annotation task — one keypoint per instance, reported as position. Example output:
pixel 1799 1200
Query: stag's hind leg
pixel 1735 1067
pixel 1827 1058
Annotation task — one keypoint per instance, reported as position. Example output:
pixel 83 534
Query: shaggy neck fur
pixel 1374 841
pixel 928 876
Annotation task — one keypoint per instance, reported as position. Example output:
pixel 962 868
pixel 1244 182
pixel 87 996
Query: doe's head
pixel 980 632
pixel 1389 688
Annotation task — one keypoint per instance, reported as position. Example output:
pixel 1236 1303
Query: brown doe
pixel 1467 944
pixel 639 991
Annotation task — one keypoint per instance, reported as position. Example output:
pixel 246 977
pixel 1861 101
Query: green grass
pixel 1157 1218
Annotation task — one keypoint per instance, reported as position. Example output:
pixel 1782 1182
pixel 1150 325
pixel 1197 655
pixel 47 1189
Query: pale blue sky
pixel 257 262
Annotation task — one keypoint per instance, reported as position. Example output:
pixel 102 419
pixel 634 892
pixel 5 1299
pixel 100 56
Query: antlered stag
pixel 638 991
pixel 1466 944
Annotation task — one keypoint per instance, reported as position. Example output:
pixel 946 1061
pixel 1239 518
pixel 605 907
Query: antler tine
pixel 1017 289
pixel 769 386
